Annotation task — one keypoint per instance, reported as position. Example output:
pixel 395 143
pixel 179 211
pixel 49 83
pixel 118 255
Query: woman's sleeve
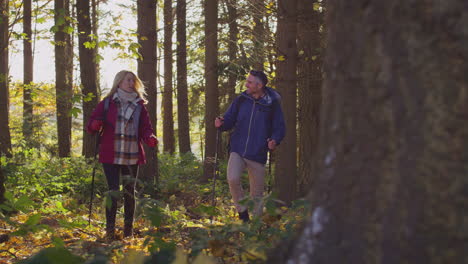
pixel 146 129
pixel 97 114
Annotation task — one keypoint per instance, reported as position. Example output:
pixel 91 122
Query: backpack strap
pixel 239 102
pixel 106 109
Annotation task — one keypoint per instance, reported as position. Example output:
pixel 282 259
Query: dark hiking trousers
pixel 129 176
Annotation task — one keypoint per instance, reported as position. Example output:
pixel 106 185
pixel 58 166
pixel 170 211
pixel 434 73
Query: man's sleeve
pixel 278 126
pixel 230 116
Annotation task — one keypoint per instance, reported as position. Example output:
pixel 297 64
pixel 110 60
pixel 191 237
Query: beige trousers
pixel 256 172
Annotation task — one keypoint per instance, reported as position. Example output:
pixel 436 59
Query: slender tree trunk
pixel 88 72
pixel 147 72
pixel 285 174
pixel 27 72
pixel 309 90
pixel 63 75
pixel 392 185
pixel 94 30
pixel 5 139
pixel 168 118
pixel 258 9
pixel 211 89
pixel 232 50
pixel 182 90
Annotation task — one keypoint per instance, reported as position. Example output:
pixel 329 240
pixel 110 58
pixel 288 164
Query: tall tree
pixel 182 89
pixel 392 185
pixel 309 90
pixel 146 14
pixel 258 13
pixel 232 49
pixel 211 86
pixel 285 174
pixel 2 183
pixel 63 74
pixel 94 30
pixel 5 139
pixel 88 71
pixel 168 118
pixel 27 71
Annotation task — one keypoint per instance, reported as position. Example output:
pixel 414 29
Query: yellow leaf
pixel 252 254
pixel 316 6
pixel 281 58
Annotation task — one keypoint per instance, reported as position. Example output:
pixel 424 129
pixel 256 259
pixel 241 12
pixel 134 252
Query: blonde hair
pixel 139 86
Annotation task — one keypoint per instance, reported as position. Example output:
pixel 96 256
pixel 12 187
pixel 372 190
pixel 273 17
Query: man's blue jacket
pixel 254 121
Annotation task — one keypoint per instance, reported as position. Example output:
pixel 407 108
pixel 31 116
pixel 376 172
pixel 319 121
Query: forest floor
pixel 179 226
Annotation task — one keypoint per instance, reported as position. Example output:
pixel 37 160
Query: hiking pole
pixel 92 178
pixel 215 169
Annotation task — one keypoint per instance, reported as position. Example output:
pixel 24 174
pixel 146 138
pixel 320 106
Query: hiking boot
pixel 244 216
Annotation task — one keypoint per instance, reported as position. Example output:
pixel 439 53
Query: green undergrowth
pixel 183 221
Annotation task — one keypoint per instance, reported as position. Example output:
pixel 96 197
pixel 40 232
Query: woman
pixel 123 122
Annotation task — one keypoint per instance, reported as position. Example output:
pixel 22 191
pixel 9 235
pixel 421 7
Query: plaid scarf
pixel 125 141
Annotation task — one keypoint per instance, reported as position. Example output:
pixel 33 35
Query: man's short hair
pixel 260 75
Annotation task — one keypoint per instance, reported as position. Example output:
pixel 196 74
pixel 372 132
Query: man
pixel 257 119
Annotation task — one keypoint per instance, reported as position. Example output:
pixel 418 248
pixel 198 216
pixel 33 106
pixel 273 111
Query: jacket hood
pixel 270 96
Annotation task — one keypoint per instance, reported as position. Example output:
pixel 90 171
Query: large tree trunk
pixel 147 72
pixel 392 162
pixel 2 182
pixel 5 139
pixel 258 13
pixel 27 72
pixel 285 174
pixel 88 72
pixel 309 90
pixel 211 89
pixel 168 118
pixel 63 75
pixel 182 90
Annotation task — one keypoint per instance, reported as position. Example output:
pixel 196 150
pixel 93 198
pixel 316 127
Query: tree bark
pixel 285 174
pixel 232 50
pixel 88 72
pixel 94 30
pixel 27 72
pixel 63 75
pixel 211 88
pixel 168 118
pixel 5 139
pixel 147 72
pixel 258 13
pixel 182 90
pixel 2 182
pixel 309 91
pixel 392 160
